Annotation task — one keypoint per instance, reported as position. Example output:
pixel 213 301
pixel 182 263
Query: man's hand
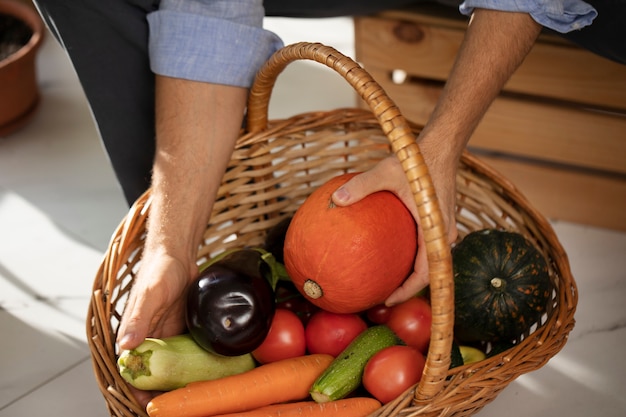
pixel 495 45
pixel 156 303
pixel 197 126
pixel 155 307
pixel 389 175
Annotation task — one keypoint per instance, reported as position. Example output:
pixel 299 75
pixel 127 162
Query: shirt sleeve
pixel 216 41
pixel 560 15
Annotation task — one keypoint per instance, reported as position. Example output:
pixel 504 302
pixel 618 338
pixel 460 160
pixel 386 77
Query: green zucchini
pixel 173 362
pixel 345 372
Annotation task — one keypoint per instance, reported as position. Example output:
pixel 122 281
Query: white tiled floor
pixel 59 203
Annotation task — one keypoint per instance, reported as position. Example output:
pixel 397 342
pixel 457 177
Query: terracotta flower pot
pixel 21 34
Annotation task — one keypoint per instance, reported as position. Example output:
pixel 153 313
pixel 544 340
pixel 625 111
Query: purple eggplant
pixel 231 304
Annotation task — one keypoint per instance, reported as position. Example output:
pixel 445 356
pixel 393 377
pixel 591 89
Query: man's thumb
pixel 355 189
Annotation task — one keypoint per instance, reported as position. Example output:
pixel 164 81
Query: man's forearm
pixel 495 44
pixel 197 126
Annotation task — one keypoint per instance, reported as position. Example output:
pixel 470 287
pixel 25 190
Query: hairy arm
pixel 201 91
pixel 495 44
pixel 197 126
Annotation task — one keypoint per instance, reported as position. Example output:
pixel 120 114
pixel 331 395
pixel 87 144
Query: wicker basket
pixel 276 165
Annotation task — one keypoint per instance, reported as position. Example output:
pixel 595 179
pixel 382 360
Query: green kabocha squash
pixel 502 286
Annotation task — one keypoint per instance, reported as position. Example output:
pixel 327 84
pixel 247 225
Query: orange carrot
pixel 347 407
pixel 272 383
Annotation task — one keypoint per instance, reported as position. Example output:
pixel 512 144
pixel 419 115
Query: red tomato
pixel 284 340
pixel 411 321
pixel 378 314
pixel 331 333
pixel 391 371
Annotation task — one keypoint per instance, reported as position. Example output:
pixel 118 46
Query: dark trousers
pixel 107 43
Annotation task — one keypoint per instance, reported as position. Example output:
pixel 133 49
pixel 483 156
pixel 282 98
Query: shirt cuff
pixel 208 49
pixel 562 16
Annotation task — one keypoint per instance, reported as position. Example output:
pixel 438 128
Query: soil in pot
pixel 14 34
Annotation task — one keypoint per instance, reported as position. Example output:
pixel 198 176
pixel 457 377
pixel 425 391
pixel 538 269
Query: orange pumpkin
pixel 348 259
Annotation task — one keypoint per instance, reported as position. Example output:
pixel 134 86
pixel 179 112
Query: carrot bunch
pixel 277 388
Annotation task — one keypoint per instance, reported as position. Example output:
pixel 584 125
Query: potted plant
pixel 21 34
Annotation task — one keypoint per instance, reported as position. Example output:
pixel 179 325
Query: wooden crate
pixel 557 130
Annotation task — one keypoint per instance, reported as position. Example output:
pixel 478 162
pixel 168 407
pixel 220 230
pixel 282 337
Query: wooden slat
pixel 558 131
pixel 558 71
pixel 568 195
pixel 431 14
pixel 529 128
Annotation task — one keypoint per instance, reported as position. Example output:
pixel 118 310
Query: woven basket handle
pixel 404 145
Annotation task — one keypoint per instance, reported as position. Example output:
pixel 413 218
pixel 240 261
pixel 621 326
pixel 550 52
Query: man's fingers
pixel 134 334
pixel 413 285
pixel 417 281
pixel 142 397
pixel 136 322
pixel 376 179
pixel 355 189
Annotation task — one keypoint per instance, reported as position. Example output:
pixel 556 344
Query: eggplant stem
pixel 278 271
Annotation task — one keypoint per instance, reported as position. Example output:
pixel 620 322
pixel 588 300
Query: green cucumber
pixel 345 372
pixel 173 362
